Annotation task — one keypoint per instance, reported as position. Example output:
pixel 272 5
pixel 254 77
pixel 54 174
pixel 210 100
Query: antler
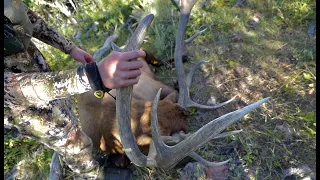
pixel 160 154
pixel 124 96
pixel 184 84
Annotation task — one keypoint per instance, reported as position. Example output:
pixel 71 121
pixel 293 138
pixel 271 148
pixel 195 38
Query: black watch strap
pixel 95 80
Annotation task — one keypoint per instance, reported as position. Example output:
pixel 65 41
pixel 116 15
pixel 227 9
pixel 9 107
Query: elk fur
pixel 98 117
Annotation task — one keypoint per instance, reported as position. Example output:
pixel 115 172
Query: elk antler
pixel 164 156
pixel 160 154
pixel 124 95
pixel 184 84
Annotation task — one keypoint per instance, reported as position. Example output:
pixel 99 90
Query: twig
pixel 92 28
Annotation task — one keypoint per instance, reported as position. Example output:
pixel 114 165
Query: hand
pixel 81 55
pixel 116 70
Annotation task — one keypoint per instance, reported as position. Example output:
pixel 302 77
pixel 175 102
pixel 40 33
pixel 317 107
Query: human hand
pixel 81 55
pixel 116 70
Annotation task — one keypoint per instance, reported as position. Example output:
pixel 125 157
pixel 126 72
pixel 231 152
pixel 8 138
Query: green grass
pixel 275 57
pixel 30 156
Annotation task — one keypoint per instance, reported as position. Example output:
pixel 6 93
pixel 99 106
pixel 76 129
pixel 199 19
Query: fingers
pixel 116 70
pixel 129 82
pixel 81 55
pixel 126 56
pixel 130 65
pixel 129 74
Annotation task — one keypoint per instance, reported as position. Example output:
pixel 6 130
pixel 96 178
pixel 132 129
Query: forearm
pixel 47 34
pixel 38 88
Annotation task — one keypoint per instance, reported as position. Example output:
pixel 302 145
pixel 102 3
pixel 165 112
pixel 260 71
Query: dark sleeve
pixel 47 34
pixel 38 88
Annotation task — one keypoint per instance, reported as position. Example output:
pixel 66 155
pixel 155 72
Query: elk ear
pixel 172 97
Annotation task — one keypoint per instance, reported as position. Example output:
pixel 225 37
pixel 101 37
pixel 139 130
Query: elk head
pixel 161 154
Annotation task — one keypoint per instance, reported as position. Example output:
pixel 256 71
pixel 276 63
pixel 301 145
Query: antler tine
pixel 174 138
pixel 194 36
pixel 123 101
pixel 162 152
pixel 178 137
pixel 188 102
pixel 226 134
pixel 192 71
pixel 200 159
pixel 115 47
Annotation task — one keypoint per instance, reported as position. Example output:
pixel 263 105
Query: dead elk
pixel 160 153
pixel 154 134
pixel 98 117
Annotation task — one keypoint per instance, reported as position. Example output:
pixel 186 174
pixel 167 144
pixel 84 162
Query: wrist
pixel 95 80
pixel 68 49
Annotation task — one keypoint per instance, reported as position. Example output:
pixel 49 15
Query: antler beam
pixel 124 97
